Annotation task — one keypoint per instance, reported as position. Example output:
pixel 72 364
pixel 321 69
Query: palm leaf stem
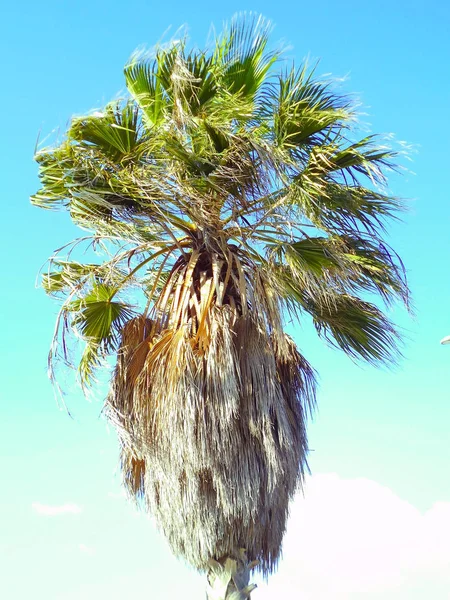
pixel 169 249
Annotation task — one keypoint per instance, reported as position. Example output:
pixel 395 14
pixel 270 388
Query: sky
pixel 374 519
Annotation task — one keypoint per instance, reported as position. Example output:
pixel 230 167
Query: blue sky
pixel 375 520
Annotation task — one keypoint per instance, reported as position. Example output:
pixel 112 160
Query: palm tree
pixel 224 194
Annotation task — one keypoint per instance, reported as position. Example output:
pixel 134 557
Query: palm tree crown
pixel 229 191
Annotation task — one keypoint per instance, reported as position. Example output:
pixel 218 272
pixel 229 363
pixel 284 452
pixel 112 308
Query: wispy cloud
pixel 85 549
pixel 48 510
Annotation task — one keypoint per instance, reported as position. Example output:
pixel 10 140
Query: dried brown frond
pixel 210 399
pixel 133 471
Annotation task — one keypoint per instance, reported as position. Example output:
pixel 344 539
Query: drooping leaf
pixel 357 327
pixel 98 317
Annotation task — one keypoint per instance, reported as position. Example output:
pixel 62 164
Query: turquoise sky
pixel 375 521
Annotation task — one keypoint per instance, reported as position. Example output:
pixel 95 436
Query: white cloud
pixel 86 549
pixel 352 539
pixel 51 511
pixel 347 539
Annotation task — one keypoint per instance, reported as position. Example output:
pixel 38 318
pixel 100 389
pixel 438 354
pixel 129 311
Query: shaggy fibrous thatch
pixel 210 402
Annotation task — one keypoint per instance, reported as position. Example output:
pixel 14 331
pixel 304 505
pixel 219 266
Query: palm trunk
pixel 228 578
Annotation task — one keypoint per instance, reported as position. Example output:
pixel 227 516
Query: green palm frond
pixel 343 263
pixel 99 320
pixel 315 256
pixel 146 88
pixel 306 111
pixel 247 59
pixel 377 268
pixel 364 157
pixel 114 132
pixel 331 206
pixel 202 86
pixel 54 163
pixel 357 327
pixel 98 317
